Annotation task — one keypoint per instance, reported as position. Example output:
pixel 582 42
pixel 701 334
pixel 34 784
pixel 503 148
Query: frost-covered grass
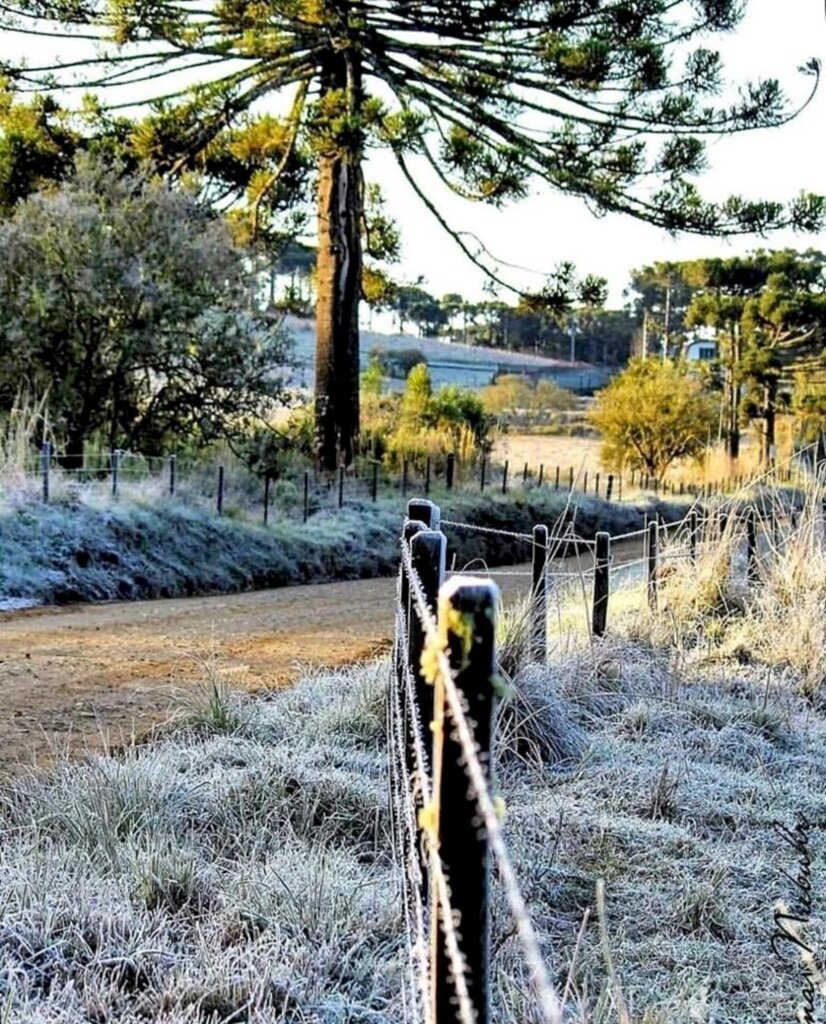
pixel 157 548
pixel 242 869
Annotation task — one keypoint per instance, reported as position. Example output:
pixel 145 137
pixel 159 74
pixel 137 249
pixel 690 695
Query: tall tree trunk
pixel 338 284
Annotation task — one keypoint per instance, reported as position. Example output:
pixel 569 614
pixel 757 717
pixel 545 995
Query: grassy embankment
pixel 242 869
pixel 79 552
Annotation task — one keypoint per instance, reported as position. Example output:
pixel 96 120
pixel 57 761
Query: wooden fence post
pixel 482 477
pixel 751 546
pixel 692 535
pixel 374 483
pixel 525 476
pixel 173 467
pixel 505 477
pixel 266 498
pixel 585 482
pixel 539 594
pixel 341 486
pixel 45 467
pixel 462 844
pixel 306 495
pixel 421 510
pixel 571 479
pixel 115 472
pixel 651 556
pixel 556 479
pixel 219 504
pixel 619 488
pixel 427 475
pixel 610 488
pixel 427 555
pixel 596 485
pixel 541 474
pixel 602 571
pixel 451 466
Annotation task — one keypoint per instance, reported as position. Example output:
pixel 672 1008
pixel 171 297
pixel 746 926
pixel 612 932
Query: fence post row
pixel 602 570
pixel 539 594
pixel 45 467
pixel 115 471
pixel 651 538
pixel 751 546
pixel 266 498
pixel 306 495
pixel 462 845
pixel 692 535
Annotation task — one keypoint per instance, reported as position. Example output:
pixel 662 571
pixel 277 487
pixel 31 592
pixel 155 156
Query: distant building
pixel 700 346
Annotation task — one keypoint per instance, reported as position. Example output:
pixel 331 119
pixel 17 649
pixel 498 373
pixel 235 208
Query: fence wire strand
pixel 547 999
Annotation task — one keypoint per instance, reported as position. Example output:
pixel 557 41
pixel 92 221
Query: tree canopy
pixel 608 100
pixel 652 414
pixel 126 304
pixel 768 310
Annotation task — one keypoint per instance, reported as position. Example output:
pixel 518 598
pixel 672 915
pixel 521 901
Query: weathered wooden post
pixel 585 482
pixel 451 466
pixel 539 594
pixel 556 479
pixel 46 467
pixel 115 472
pixel 596 485
pixel 482 475
pixel 571 479
pixel 173 472
pixel 692 535
pixel 266 498
pixel 525 476
pixel 219 504
pixel 421 510
pixel 467 626
pixel 751 545
pixel 651 557
pixel 602 571
pixel 374 483
pixel 505 477
pixel 306 495
pixel 341 486
pixel 609 490
pixel 404 478
pixel 427 475
pixel 427 555
pixel 541 474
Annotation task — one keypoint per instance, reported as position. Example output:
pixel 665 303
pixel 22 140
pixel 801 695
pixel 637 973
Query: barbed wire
pixel 547 998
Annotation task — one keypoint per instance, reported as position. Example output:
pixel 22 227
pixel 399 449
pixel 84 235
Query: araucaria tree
pixel 608 100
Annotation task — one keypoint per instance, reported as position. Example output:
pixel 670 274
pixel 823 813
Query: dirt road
pixel 74 676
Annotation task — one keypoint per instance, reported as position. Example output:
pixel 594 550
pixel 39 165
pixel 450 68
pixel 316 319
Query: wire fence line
pixel 447 818
pixel 304 492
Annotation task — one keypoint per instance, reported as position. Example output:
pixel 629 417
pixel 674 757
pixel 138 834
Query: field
pixel 242 867
pixel 583 455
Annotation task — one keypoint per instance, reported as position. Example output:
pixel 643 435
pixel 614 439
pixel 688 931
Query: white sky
pixel 774 39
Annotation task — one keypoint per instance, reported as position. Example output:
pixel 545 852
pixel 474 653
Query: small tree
pixel 127 303
pixel 652 414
